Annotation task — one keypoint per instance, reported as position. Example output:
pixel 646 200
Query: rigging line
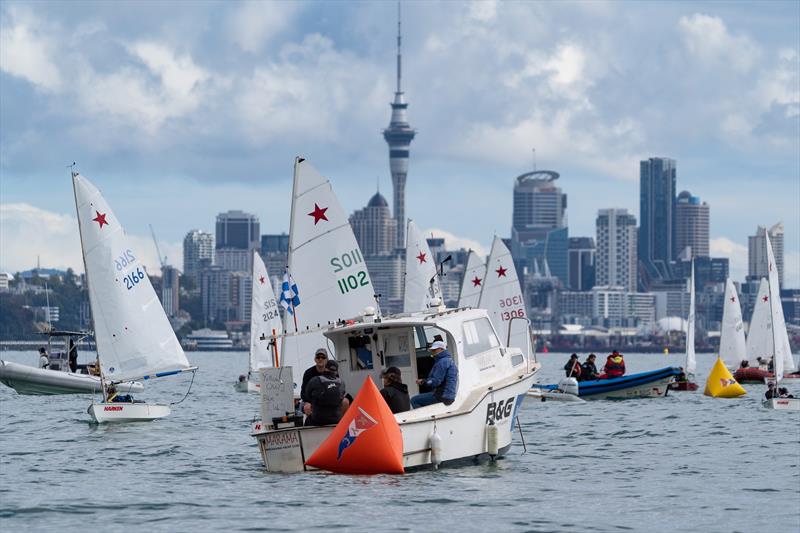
pixel 189 390
pixel 521 436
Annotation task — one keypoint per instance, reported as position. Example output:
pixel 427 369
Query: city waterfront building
pixel 691 225
pixel 198 252
pixel 275 243
pixel 170 290
pixel 238 230
pixel 374 227
pixel 757 252
pixel 657 237
pixel 615 260
pixel 581 262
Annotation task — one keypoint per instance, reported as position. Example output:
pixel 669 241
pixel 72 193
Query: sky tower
pixel 398 136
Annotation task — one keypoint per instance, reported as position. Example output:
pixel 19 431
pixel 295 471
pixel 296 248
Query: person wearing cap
pixel 394 391
pixel 320 358
pixel 327 396
pixel 443 378
pixel 44 361
pixel 615 365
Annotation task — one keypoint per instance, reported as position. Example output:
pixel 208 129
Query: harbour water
pixel 682 463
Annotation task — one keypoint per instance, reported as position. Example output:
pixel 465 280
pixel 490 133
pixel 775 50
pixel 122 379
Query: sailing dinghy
pixel 327 279
pixel 472 283
pixel 265 325
pixel 422 280
pixel 133 335
pixel 778 329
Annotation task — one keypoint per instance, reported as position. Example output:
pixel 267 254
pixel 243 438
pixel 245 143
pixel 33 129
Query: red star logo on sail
pixel 733 298
pixel 501 272
pixel 421 258
pixel 476 282
pixel 765 298
pixel 100 218
pixel 261 280
pixel 318 213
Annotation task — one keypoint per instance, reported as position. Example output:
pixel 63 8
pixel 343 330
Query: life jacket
pixel 615 366
pixel 331 395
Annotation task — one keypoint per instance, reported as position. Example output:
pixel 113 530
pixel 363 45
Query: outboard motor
pixel 569 386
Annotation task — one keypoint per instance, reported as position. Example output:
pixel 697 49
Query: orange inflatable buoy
pixel 367 440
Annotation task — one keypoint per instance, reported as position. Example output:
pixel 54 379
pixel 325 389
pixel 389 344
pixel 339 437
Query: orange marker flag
pixel 367 440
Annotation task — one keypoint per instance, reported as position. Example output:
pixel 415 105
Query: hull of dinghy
pixel 127 412
pixel 782 404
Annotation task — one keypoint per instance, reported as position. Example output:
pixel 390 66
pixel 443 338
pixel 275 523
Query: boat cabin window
pixel 397 351
pixel 423 337
pixel 361 352
pixel 479 337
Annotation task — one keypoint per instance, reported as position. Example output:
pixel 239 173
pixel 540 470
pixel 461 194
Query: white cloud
pixel 26 51
pixel 255 23
pixel 707 38
pixel 30 235
pixel 735 252
pixel 454 242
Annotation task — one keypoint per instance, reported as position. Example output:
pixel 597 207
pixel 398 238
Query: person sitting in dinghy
pixel 443 378
pixel 771 392
pixel 589 369
pixel 573 367
pixel 615 365
pixel 783 392
pixel 113 396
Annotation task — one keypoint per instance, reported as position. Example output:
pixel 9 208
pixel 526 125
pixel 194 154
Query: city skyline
pixel 456 172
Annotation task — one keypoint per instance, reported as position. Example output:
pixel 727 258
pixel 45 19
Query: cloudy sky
pixel 179 111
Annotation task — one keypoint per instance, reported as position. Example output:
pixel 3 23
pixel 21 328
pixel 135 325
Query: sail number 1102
pixel 353 281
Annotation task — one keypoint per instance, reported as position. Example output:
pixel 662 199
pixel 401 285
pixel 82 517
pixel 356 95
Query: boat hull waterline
pixel 30 380
pixel 782 404
pixel 462 431
pixel 127 412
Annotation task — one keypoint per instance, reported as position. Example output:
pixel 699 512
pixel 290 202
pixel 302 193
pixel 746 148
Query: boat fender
pixel 492 436
pixel 435 442
pixel 569 385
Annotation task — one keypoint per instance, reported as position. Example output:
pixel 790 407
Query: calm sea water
pixel 683 463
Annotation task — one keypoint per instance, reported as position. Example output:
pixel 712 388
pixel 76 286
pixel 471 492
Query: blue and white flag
pixel 290 296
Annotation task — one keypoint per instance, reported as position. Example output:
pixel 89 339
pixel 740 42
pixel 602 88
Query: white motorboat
pixel 493 383
pixel 134 337
pixel 58 377
pixel 265 325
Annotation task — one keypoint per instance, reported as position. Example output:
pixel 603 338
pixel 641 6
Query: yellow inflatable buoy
pixel 720 383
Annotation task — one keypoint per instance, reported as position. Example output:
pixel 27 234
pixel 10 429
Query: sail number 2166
pixel 133 279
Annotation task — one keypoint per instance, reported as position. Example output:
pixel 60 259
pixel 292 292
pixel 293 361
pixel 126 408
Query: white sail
pixel 502 298
pixel 421 279
pixel 265 319
pixel 325 263
pixel 134 337
pixel 472 283
pixel 732 347
pixel 782 353
pixel 759 336
pixel 691 360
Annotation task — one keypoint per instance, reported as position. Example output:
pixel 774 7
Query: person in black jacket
pixel 394 391
pixel 327 394
pixel 320 358
pixel 589 369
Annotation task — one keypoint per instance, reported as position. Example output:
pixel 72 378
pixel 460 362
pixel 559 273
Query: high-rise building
pixel 238 230
pixel 170 290
pixel 275 243
pixel 374 227
pixel 657 239
pixel 691 225
pixel 539 234
pixel 581 263
pixel 399 136
pixel 615 262
pixel 757 252
pixel 198 252
pixel 234 259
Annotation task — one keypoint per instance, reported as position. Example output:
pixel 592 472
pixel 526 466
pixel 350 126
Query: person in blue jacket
pixel 443 378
